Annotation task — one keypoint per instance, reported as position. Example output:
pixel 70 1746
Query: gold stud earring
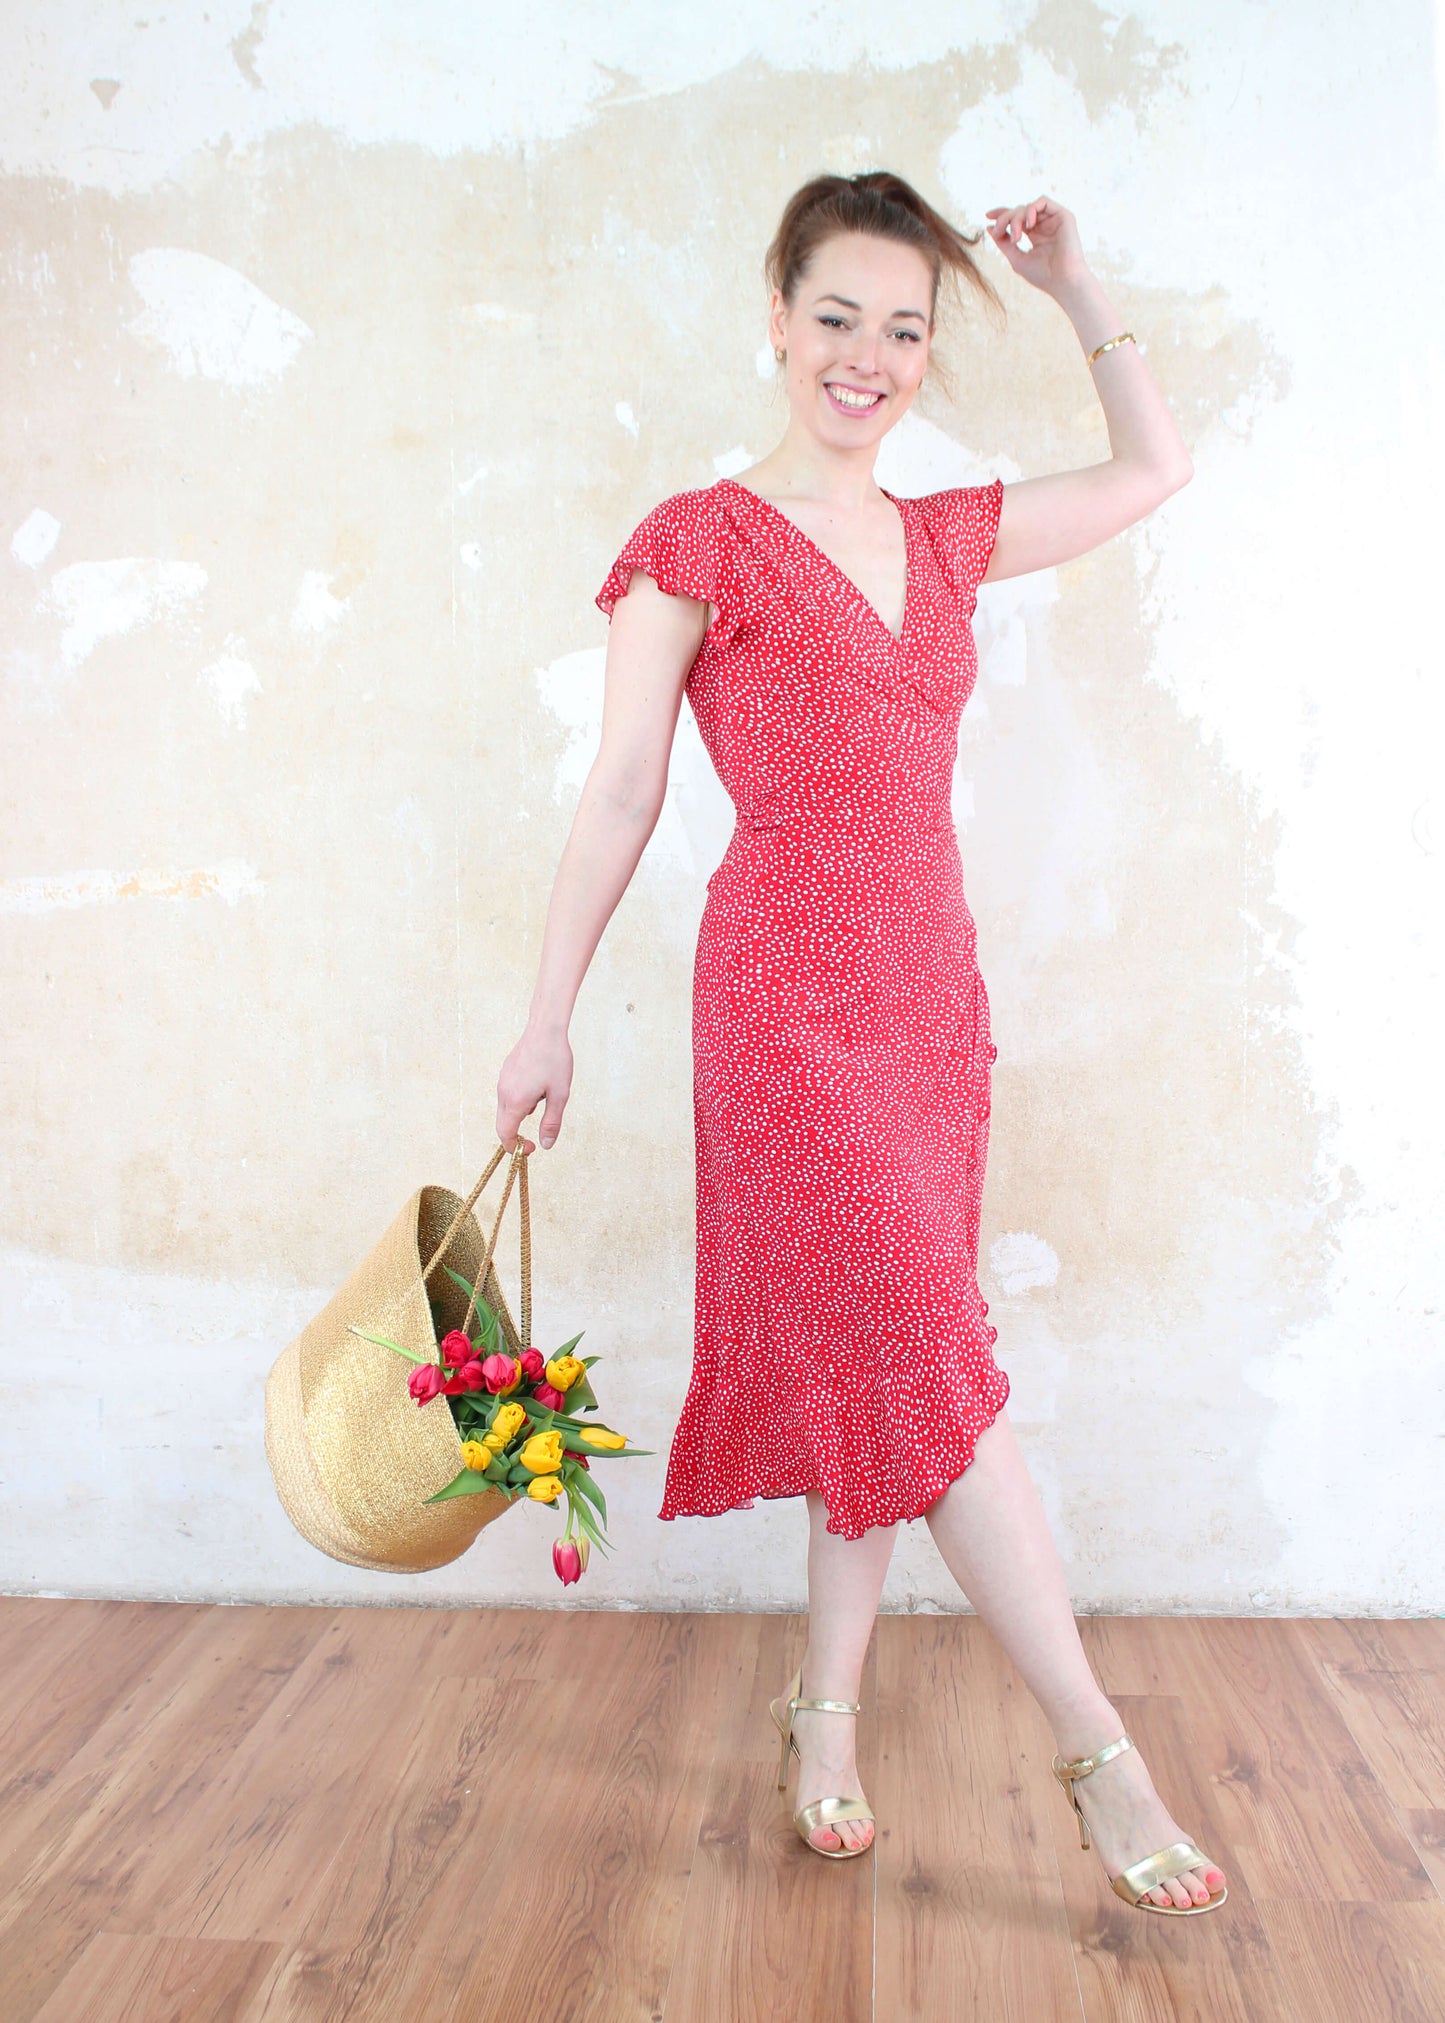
pixel 779 355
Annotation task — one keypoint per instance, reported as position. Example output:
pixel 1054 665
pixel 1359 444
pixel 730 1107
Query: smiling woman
pixel 822 630
pixel 886 209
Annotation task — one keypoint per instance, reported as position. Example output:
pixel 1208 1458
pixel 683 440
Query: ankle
pixel 1080 1730
pixel 828 1682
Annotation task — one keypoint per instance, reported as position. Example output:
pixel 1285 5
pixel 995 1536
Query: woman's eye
pixel 837 323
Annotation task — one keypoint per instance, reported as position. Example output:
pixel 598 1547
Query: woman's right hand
pixel 539 1066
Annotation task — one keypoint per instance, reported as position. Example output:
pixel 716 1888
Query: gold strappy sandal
pixel 1133 1883
pixel 827 1812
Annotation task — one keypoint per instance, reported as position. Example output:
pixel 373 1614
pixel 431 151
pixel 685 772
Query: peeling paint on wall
pixel 1021 1262
pixel 34 538
pixel 99 600
pixel 210 320
pixel 316 609
pixel 232 681
pixel 230 881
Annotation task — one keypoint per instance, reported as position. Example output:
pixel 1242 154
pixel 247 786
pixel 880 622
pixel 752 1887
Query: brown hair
pixel 884 205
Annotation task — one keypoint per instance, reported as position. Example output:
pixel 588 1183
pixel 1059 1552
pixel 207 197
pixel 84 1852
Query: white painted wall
pixel 1248 170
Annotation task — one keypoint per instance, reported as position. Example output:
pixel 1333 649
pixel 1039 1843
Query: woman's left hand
pixel 1055 256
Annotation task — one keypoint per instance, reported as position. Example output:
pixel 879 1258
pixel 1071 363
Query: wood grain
pixel 120 1979
pixel 968 1880
pixel 474 1815
pixel 770 1930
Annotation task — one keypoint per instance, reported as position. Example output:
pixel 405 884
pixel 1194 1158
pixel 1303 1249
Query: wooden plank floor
pixel 224 1815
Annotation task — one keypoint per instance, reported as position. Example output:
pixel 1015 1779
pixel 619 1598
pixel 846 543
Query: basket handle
pixel 516 1171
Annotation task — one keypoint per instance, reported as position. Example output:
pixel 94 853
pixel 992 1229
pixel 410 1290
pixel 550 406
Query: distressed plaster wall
pixel 338 354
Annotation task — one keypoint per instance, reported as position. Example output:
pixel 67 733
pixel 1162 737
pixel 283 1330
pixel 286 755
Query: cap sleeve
pixel 683 546
pixel 964 522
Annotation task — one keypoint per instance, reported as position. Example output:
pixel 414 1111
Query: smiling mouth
pixel 850 398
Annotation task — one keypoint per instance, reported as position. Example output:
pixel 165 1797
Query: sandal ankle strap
pixel 1082 1765
pixel 830 1706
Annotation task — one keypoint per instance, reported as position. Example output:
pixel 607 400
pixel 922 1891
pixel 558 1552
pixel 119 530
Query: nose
pixel 863 354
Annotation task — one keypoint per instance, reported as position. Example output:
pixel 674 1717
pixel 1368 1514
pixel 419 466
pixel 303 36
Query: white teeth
pixel 850 399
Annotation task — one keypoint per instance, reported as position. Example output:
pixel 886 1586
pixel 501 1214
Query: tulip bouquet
pixel 518 1421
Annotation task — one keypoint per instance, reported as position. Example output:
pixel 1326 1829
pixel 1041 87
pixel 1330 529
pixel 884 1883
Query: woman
pixel 821 629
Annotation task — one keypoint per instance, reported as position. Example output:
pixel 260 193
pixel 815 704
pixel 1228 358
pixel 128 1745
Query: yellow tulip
pixel 603 1436
pixel 563 1371
pixel 546 1489
pixel 475 1456
pixel 507 1425
pixel 542 1454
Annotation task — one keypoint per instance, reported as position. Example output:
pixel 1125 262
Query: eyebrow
pixel 843 299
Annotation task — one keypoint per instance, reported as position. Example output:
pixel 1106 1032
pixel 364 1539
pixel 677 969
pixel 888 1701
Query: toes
pixel 1161 1897
pixel 848 1833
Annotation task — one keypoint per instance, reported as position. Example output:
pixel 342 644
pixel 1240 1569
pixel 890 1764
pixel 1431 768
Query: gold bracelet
pixel 1124 337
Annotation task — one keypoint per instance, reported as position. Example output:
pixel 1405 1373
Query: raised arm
pixel 1054 518
pixel 653 641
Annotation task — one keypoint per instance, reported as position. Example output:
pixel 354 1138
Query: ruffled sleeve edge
pixel 967 518
pixel 675 547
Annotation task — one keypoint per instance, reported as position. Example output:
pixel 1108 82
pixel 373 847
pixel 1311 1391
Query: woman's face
pixel 857 335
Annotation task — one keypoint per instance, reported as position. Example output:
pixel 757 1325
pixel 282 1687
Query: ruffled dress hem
pixel 925 1490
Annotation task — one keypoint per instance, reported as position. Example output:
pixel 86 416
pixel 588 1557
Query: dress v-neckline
pixel 897 638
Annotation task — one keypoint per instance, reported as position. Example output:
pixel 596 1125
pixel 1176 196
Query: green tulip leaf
pixel 483 1311
pixel 468 1483
pixel 385 1342
pixel 587 1524
pixel 587 1487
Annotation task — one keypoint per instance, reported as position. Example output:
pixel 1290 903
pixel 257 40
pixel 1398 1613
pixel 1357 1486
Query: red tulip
pixel 569 1557
pixel 550 1396
pixel 498 1372
pixel 424 1382
pixel 467 1378
pixel 534 1365
pixel 455 1348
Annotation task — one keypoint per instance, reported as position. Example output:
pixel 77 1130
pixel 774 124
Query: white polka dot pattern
pixel 840 1026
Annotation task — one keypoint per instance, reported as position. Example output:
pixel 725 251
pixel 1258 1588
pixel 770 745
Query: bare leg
pixel 991 1529
pixel 845 1581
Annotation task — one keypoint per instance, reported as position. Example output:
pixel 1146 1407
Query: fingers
pixel 509 1124
pixel 1020 220
pixel 1010 223
pixel 509 1130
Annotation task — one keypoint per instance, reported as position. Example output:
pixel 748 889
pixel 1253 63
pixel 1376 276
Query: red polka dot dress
pixel 840 1026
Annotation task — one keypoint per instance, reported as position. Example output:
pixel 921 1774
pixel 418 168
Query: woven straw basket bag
pixel 353 1457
